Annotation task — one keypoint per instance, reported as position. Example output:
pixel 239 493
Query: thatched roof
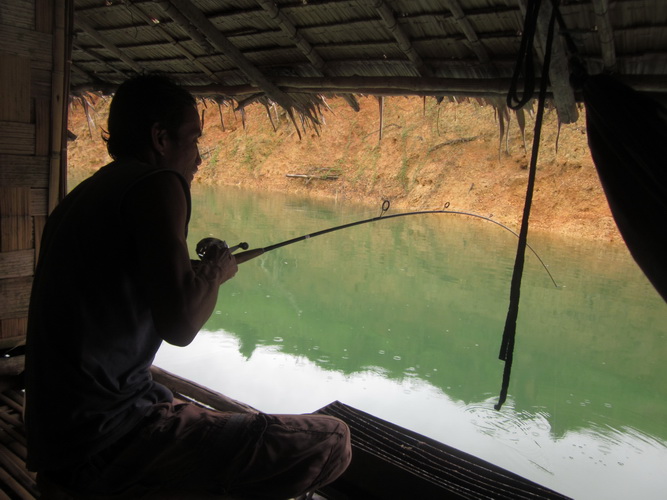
pixel 289 51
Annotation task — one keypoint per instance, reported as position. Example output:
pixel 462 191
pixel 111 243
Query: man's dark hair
pixel 137 105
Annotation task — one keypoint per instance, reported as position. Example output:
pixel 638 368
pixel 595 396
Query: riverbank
pixel 430 155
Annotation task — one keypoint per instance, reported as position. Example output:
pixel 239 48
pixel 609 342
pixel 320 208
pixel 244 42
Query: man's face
pixel 182 152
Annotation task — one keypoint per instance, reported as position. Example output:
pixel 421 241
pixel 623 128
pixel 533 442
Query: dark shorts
pixel 186 447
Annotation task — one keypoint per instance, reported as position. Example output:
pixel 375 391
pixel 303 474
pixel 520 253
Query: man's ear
pixel 158 138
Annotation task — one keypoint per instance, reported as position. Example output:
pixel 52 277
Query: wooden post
pixel 32 140
pixel 57 184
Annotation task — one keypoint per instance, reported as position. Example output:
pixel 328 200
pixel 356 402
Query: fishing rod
pixel 207 243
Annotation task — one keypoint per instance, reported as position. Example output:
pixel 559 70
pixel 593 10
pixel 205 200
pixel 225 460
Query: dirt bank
pixel 429 155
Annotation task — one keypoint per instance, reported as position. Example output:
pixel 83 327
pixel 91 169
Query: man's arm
pixel 182 297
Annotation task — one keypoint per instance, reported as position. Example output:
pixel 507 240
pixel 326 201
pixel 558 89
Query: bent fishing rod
pixel 206 244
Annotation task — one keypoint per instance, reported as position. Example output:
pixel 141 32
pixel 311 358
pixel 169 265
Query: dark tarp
pixel 627 135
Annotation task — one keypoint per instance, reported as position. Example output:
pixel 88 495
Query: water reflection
pixel 595 462
pixel 403 319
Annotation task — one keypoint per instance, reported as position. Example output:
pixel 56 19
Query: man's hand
pixel 219 264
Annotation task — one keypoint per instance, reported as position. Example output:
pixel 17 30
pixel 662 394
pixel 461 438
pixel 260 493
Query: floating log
pixel 324 177
pixel 318 173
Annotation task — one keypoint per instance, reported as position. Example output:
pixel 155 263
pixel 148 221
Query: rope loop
pixel 524 63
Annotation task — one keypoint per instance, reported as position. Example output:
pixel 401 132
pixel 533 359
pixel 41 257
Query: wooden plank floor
pixel 389 462
pixel 16 482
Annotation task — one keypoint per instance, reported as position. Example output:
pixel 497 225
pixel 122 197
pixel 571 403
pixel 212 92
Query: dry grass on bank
pixel 429 155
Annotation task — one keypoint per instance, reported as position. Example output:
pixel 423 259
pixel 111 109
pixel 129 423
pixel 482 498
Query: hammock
pixel 627 136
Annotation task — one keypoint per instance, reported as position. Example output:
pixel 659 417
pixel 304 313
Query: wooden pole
pixel 57 187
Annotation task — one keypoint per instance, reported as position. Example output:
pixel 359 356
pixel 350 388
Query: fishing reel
pixel 204 247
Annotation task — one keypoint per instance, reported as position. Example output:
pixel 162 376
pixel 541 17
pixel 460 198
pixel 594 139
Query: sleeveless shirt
pixel 91 338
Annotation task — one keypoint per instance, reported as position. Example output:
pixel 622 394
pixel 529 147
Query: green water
pixel 403 318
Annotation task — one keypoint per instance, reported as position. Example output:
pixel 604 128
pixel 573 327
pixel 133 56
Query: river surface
pixel 403 318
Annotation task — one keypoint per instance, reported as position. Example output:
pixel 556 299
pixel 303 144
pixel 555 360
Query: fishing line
pixel 204 245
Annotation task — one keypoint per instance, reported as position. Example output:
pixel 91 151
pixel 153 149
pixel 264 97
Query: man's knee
pixel 294 454
pixel 327 439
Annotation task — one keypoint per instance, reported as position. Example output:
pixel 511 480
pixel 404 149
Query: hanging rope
pixel 509 333
pixel 524 61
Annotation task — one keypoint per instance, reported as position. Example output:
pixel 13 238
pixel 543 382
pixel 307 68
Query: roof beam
pixel 403 40
pixel 390 86
pixel 287 27
pixel 95 56
pixel 380 86
pixel 466 27
pixel 285 23
pixel 174 43
pixel 85 74
pixel 605 34
pixel 221 43
pixel 91 32
pixel 185 25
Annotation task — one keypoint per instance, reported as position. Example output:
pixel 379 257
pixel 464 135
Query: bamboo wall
pixel 33 96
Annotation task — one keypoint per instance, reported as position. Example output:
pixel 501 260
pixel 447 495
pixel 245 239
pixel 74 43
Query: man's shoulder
pixel 125 175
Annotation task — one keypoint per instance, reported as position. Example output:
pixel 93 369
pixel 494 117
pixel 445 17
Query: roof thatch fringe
pixel 310 109
pixel 88 101
pixel 268 113
pixel 504 117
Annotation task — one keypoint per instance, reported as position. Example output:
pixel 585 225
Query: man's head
pixel 137 105
pixel 153 119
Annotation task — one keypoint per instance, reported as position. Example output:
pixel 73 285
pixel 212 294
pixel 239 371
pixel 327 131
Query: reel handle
pixel 205 245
